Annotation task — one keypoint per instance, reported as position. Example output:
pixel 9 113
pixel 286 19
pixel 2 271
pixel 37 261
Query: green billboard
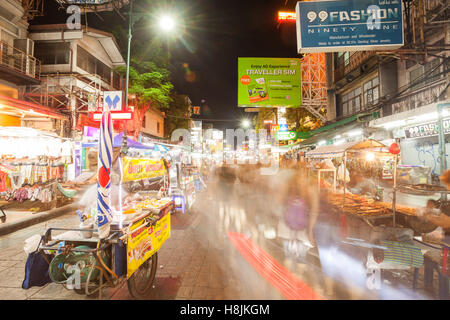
pixel 269 82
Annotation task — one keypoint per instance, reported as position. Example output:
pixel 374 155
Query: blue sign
pixel 284 127
pixel 112 100
pixel 349 25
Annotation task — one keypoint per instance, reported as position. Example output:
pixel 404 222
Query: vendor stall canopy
pixel 28 142
pixel 335 151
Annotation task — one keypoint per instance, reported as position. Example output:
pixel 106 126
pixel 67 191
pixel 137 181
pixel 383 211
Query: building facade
pixel 394 94
pixel 19 67
pixel 77 68
pixel 153 123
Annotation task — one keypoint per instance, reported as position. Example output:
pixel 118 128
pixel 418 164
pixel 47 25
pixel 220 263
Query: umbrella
pixel 105 153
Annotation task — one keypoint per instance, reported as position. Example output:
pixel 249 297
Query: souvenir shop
pixel 32 163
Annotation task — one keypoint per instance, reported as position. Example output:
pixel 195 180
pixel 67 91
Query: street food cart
pixel 113 242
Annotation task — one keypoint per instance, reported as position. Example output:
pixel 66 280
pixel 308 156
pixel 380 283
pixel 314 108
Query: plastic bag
pixel 31 244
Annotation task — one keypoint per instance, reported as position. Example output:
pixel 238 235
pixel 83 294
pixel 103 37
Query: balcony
pixel 417 98
pixel 18 67
pixel 346 64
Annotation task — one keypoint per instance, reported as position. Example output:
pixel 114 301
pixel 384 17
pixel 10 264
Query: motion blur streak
pixel 287 283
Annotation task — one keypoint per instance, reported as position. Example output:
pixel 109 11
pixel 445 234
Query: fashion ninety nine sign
pixel 426 130
pixel 349 25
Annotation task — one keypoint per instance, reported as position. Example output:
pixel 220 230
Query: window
pixel 157 127
pixel 53 53
pixel 434 75
pixel 343 58
pixel 92 65
pixel 116 81
pixel 371 92
pixel 351 102
pixel 423 75
pixel 143 122
pixel 414 77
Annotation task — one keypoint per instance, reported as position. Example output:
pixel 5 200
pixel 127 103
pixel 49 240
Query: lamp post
pixel 167 24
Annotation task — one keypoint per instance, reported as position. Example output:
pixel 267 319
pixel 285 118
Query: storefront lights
pixel 394 124
pixel 355 133
pixel 370 156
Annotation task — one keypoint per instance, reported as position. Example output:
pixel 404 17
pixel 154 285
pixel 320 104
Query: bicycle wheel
pixel 140 283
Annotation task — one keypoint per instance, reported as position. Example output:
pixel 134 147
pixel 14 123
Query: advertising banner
pixel 269 82
pixel 426 130
pixel 286 135
pixel 138 169
pixel 144 241
pixel 349 25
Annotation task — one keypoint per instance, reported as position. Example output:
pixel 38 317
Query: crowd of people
pixel 284 205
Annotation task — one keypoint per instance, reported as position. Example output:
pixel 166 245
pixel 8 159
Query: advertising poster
pixel 269 82
pixel 349 25
pixel 138 169
pixel 144 241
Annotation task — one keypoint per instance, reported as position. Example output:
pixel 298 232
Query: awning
pixel 28 110
pixel 334 151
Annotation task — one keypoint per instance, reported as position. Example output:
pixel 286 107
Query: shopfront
pixel 418 133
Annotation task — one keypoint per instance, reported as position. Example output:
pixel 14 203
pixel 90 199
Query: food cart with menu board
pixel 118 238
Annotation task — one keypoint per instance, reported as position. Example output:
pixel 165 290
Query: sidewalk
pixel 18 218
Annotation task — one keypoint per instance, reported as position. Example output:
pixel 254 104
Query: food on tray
pixel 152 203
pixel 129 211
pixel 359 205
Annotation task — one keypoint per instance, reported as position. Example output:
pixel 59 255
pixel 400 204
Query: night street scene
pixel 220 158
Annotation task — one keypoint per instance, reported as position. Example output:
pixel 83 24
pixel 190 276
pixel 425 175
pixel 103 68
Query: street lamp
pixel 166 23
pixel 245 123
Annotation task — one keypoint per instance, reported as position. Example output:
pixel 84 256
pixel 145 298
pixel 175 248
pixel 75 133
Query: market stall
pixel 32 167
pixel 388 246
pixel 360 166
pixel 120 233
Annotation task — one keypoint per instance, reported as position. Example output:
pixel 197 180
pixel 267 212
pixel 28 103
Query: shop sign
pixel 112 100
pixel 349 25
pixel 284 16
pixel 196 110
pixel 144 241
pixel 426 130
pixel 284 127
pixel 92 102
pixel 273 129
pixel 286 135
pixel 269 82
pixel 138 169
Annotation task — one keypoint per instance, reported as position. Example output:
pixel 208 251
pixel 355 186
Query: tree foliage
pixel 177 116
pixel 264 114
pixel 301 120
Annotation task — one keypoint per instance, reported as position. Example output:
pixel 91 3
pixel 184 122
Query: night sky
pixel 217 32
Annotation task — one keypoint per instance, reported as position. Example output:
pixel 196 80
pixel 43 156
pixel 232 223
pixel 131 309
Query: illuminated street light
pixel 245 123
pixel 167 23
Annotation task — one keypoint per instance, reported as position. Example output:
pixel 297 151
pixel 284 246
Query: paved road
pixel 200 261
pixel 190 266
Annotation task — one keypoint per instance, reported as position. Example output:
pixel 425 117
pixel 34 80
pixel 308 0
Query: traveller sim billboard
pixel 349 25
pixel 269 82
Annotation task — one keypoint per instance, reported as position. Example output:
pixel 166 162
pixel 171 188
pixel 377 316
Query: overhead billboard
pixel 269 82
pixel 349 25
